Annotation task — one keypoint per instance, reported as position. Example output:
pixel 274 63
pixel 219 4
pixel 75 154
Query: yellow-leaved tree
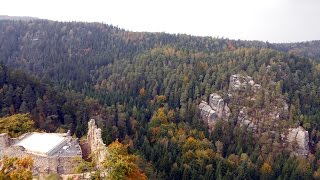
pixel 266 171
pixel 16 124
pixel 120 164
pixel 15 168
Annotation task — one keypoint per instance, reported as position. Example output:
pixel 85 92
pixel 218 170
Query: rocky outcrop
pixel 217 104
pixel 216 109
pixel 280 109
pixel 97 146
pixel 240 82
pixel 263 119
pixel 245 120
pixel 207 114
pixel 254 114
pixel 298 141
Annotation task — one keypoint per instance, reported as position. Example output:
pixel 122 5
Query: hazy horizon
pixel 276 21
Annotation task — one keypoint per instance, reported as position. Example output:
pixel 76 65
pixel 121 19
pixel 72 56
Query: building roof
pixel 42 143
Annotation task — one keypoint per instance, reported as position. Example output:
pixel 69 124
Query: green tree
pixel 28 97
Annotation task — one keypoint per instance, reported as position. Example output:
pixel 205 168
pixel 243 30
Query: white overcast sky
pixel 266 20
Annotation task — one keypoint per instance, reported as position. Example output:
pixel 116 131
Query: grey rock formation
pixel 265 118
pixel 253 116
pixel 216 109
pixel 240 82
pixel 208 114
pixel 256 87
pixel 95 141
pixel 298 141
pixel 217 104
pixel 245 120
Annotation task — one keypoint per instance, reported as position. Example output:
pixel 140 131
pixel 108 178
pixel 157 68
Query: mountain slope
pixel 149 86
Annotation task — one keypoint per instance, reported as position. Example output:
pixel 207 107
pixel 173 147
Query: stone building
pixel 51 152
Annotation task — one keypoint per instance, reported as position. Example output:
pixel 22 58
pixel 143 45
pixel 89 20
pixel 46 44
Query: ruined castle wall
pixel 98 148
pixel 67 165
pixel 41 164
pixel 45 164
pixel 4 140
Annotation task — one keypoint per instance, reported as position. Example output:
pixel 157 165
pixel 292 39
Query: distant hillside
pixel 49 48
pixel 309 49
pixel 21 18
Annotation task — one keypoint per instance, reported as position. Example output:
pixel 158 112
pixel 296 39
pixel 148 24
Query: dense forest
pixel 144 89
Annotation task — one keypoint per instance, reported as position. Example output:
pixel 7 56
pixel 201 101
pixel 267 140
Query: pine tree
pixel 23 108
pixel 28 97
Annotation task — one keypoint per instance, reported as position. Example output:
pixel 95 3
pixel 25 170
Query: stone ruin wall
pixel 4 140
pixel 56 164
pixel 41 164
pixel 45 164
pixel 97 147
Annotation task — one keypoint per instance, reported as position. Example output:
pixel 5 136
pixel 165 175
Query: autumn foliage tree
pixel 266 171
pixel 14 168
pixel 120 164
pixel 16 125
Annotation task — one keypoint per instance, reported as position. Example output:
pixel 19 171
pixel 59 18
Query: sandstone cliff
pixel 255 114
pixel 298 141
pixel 215 110
pixel 97 146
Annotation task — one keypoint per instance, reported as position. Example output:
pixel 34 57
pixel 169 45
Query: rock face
pixel 207 114
pixel 242 82
pixel 217 104
pixel 95 142
pixel 245 120
pixel 256 113
pixel 298 141
pixel 263 119
pixel 216 109
pixel 258 118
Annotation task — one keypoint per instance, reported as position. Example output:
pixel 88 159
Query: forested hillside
pixel 145 88
pixel 50 108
